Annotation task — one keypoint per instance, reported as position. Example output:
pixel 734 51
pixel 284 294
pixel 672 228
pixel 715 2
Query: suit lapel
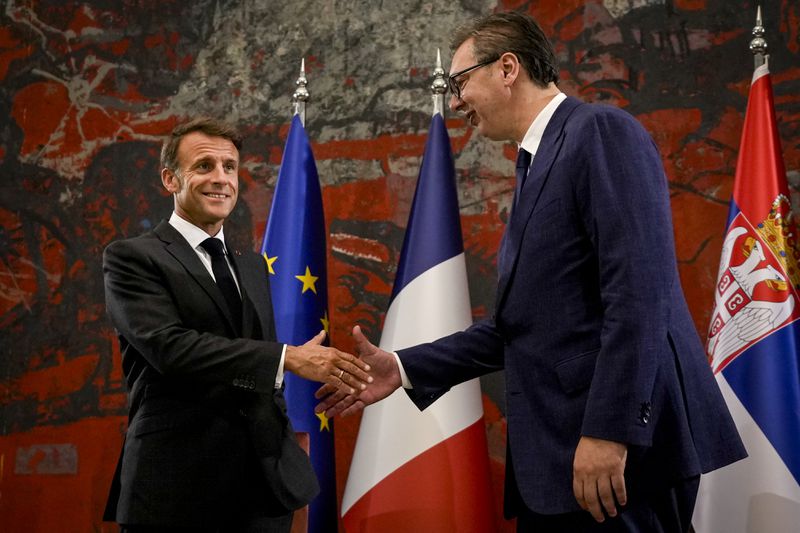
pixel 538 173
pixel 252 283
pixel 177 246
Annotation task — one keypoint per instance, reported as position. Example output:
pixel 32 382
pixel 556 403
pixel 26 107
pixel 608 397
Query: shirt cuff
pixel 403 377
pixel 279 373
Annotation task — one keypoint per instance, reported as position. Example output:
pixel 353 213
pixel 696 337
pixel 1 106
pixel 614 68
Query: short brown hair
pixel 513 32
pixel 210 126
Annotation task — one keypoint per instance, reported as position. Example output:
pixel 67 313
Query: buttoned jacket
pixel 204 410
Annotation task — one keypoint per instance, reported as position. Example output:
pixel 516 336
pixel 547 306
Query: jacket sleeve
pixel 626 213
pixel 434 367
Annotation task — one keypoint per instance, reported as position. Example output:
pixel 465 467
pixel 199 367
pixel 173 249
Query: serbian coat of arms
pixel 757 287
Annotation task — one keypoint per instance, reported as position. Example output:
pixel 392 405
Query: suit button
pixel 236 382
pixel 644 412
pixel 242 413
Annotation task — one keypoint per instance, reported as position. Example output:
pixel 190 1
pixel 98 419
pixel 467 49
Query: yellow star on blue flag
pixel 309 281
pixel 323 422
pixel 270 261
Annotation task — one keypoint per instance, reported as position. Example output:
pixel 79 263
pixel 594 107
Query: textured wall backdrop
pixel 88 87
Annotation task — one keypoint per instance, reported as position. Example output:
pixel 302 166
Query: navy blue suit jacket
pixel 591 324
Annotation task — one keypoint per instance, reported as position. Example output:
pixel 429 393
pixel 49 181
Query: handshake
pixel 350 382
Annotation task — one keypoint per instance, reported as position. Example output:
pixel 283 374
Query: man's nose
pixel 454 102
pixel 220 175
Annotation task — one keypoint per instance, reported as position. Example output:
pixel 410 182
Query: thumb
pixel 317 339
pixel 363 346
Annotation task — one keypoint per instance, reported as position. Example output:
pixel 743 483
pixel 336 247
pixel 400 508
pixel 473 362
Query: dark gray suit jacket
pixel 591 324
pixel 204 411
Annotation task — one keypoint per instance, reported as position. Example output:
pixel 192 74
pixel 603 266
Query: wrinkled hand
pixel 341 371
pixel 386 376
pixel 598 476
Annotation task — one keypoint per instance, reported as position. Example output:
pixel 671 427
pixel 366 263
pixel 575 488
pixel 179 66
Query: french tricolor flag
pixel 425 471
pixel 754 338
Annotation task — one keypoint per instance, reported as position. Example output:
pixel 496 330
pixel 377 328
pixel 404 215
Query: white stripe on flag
pixel 397 431
pixel 755 495
pixel 434 304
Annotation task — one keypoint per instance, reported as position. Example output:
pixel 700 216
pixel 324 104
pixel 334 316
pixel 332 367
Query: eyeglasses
pixel 454 86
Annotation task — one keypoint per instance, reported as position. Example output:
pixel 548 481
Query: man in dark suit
pixel 209 446
pixel 611 405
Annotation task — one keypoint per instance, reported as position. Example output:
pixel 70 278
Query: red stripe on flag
pixel 760 173
pixel 451 491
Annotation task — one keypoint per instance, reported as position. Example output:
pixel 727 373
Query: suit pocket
pixel 548 223
pixel 547 211
pixel 575 373
pixel 290 475
pixel 155 423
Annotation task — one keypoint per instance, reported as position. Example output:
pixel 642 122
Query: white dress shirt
pixel 533 136
pixel 194 236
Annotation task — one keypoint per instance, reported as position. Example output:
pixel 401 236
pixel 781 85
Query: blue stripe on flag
pixel 733 212
pixel 766 379
pixel 433 234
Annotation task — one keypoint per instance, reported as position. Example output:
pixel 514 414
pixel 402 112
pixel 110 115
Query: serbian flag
pixel 294 249
pixel 425 471
pixel 754 338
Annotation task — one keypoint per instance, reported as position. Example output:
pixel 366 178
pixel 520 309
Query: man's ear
pixel 170 180
pixel 509 63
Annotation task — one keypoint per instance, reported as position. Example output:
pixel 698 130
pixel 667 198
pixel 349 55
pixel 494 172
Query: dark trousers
pixel 657 511
pixel 262 524
pixel 255 510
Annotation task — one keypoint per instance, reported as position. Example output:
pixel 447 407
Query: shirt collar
pixel 193 235
pixel 536 130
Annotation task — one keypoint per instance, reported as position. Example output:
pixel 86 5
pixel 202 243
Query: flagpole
pixel 438 86
pixel 758 46
pixel 300 95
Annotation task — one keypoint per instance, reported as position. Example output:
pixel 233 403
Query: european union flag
pixel 294 249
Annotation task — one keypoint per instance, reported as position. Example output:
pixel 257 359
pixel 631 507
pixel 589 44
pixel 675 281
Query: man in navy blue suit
pixel 612 408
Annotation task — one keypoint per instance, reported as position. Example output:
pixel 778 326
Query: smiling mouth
pixel 471 118
pixel 215 195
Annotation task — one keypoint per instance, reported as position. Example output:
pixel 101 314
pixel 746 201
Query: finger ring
pixel 341 373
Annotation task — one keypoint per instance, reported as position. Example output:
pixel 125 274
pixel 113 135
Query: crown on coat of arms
pixel 779 232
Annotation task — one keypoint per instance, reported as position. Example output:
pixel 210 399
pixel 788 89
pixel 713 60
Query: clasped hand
pixel 384 370
pixel 341 371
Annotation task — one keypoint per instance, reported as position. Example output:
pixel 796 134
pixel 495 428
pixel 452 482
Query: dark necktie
pixel 523 163
pixel 224 278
